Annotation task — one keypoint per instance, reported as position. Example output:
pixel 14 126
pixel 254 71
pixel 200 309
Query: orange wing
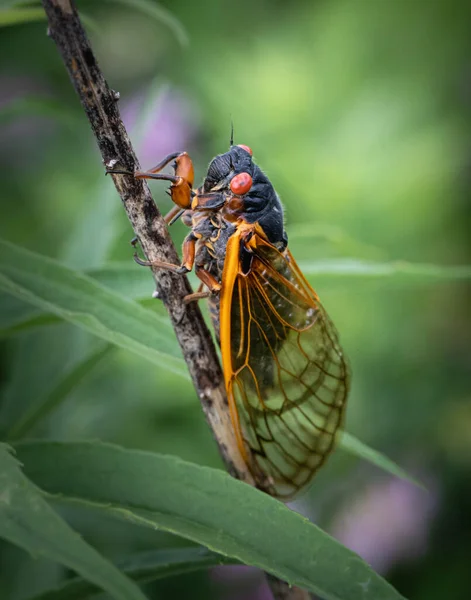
pixel 286 377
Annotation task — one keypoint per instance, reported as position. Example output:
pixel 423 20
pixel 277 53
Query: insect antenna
pixel 231 143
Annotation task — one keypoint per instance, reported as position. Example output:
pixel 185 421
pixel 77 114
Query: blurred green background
pixel 359 112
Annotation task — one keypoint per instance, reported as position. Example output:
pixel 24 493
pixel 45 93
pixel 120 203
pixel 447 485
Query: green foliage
pixel 358 115
pixel 15 16
pixel 205 506
pixel 27 519
pixel 57 394
pixel 143 568
pixel 160 14
pixel 354 446
pixel 82 301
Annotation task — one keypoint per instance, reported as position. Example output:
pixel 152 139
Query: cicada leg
pixel 198 295
pixel 173 215
pixel 149 263
pixel 189 245
pixel 181 182
pixel 208 280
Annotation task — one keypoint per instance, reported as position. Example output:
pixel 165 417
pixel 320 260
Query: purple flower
pixel 170 124
pixel 388 523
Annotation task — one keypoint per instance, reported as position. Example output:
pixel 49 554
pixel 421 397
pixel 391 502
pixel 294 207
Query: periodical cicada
pixel 285 373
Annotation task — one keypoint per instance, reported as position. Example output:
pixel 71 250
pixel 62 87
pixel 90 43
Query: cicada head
pixel 249 194
pixel 224 167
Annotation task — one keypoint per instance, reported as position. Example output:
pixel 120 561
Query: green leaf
pixel 142 568
pixel 52 399
pixel 14 313
pixel 16 16
pixel 354 446
pixel 79 299
pixel 397 269
pixel 206 506
pixel 126 278
pixel 160 14
pixel 27 520
pixel 36 320
pixel 10 3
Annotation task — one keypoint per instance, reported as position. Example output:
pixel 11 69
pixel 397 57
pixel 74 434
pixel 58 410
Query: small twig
pixel 100 104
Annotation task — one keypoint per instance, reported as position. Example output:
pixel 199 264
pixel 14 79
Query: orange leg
pixel 188 250
pixel 164 162
pixel 183 166
pixel 209 280
pixel 149 263
pixel 181 182
pixel 160 264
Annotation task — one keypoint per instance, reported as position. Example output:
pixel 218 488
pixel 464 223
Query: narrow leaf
pixel 14 313
pixel 206 506
pixel 28 323
pixel 26 519
pixel 39 410
pixel 124 278
pixel 79 299
pixel 17 16
pixel 160 14
pixel 142 568
pixel 397 269
pixel 354 446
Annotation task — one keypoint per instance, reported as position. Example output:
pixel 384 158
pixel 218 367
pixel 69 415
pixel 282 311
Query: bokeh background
pixel 360 114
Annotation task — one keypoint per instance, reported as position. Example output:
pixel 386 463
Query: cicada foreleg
pixel 181 183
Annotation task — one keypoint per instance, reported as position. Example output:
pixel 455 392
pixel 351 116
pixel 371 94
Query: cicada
pixel 285 373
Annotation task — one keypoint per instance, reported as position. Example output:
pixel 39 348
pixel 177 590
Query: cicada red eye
pixel 246 148
pixel 241 184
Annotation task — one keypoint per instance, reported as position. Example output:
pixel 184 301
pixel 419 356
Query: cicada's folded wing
pixel 286 377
